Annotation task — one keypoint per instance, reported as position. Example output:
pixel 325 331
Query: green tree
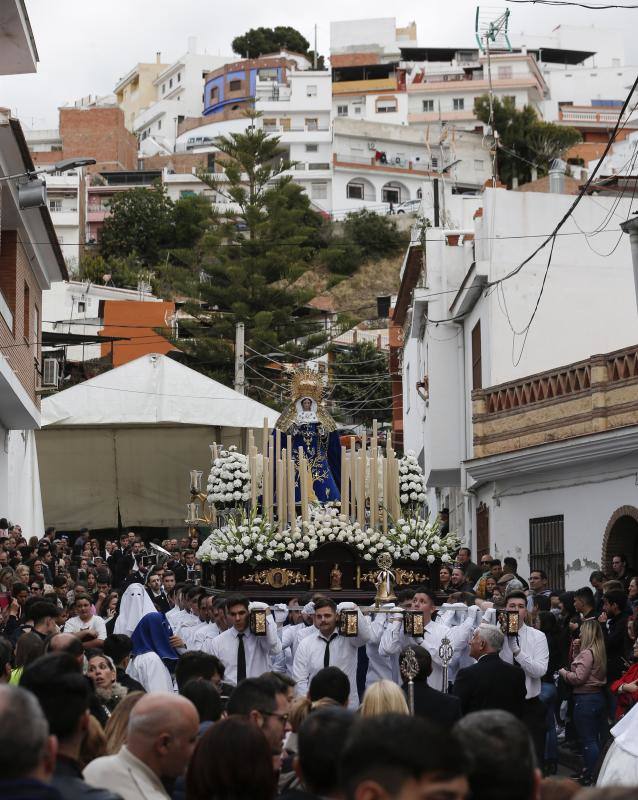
pixel 123 272
pixel 258 41
pixel 526 140
pixel 140 224
pixel 362 385
pixel 377 235
pixel 191 217
pixel 251 257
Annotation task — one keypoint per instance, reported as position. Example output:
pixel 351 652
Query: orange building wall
pixel 139 322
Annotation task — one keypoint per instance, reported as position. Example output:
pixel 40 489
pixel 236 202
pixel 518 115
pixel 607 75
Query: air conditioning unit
pixel 50 372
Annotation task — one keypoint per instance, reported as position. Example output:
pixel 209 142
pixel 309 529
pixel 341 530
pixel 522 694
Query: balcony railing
pixel 571 115
pixel 391 162
pixel 587 397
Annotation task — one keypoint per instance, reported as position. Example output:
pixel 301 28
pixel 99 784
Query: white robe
pixel 134 605
pixel 149 670
pixel 620 767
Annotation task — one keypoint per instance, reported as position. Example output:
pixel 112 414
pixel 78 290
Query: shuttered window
pixel 477 375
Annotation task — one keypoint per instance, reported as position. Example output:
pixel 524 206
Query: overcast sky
pixel 86 45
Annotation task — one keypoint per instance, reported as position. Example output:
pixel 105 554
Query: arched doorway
pixel 621 536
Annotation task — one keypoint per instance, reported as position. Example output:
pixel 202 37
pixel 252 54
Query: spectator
pixel 162 732
pixel 118 647
pixel 472 571
pixel 622 571
pixel 538 587
pixel 587 676
pixel 206 700
pixel 385 757
pixel 614 620
pixel 89 628
pixel 27 752
pixel 265 704
pixel 332 683
pixel 585 603
pixel 6 654
pixel 625 689
pixel 195 665
pixel 502 764
pixel 321 739
pixel 596 579
pixel 101 670
pixel 383 697
pixel 491 682
pixel 548 625
pixel 64 698
pixel 439 708
pixel 510 564
pixel 458 581
pixel 496 569
pixel 117 724
pixel 445 574
pixel 632 594
pixel 218 769
pixel 28 648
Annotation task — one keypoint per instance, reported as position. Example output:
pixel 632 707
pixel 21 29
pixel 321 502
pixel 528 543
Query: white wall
pixel 359 34
pixel 581 85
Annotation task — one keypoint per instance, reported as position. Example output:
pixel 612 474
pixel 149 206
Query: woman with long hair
pixel 29 647
pixel 117 725
pixel 383 697
pixel 101 670
pixel 445 573
pixel 587 677
pixel 232 761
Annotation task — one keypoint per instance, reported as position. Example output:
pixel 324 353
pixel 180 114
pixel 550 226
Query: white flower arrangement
pixel 229 479
pixel 253 539
pixel 411 482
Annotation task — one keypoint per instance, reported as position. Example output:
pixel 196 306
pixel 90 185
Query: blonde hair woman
pixel 383 697
pixel 587 677
pixel 116 727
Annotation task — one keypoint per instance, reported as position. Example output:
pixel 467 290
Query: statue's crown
pixel 306 383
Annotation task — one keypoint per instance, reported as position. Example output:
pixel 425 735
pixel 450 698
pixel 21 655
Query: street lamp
pixel 32 193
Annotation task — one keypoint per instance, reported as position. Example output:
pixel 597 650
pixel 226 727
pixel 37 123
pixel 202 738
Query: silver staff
pixel 409 667
pixel 446 651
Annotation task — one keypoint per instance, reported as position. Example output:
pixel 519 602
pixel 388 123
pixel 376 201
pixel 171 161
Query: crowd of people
pixel 122 678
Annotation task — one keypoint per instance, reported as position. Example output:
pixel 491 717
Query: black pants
pixel 535 719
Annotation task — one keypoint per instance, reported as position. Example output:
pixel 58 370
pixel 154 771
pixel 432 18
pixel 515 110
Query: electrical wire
pixel 590 7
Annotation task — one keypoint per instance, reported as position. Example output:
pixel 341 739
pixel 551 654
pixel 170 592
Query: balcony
pixel 393 164
pixel 588 397
pixel 370 85
pixel 588 116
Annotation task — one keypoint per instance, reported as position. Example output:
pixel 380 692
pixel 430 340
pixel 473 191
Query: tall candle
pixel 353 479
pixel 280 496
pixel 384 483
pixel 303 486
pixel 344 482
pixel 291 489
pixel 264 437
pixel 374 478
pixel 253 477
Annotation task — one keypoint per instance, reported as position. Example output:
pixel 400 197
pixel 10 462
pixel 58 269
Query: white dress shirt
pixel 96 624
pixel 289 642
pixel 380 667
pixel 309 658
pixel 394 640
pixel 257 650
pixel 533 657
pixel 149 670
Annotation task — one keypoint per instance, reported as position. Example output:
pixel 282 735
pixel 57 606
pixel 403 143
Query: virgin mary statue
pixel 313 429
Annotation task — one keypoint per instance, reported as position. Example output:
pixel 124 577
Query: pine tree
pixel 250 258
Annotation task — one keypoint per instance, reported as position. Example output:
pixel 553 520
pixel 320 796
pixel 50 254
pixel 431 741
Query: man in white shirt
pixel 528 650
pixel 394 640
pixel 244 654
pixel 90 629
pixel 161 737
pixel 326 647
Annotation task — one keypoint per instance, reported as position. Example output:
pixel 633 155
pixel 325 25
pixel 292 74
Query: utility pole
pixel 630 226
pixel 239 358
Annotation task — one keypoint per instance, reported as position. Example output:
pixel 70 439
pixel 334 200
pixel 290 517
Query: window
pixel 478 163
pixel 477 370
pixel 342 111
pixel 386 106
pixel 163 88
pixel 312 124
pixel 27 311
pixel 268 74
pixel 270 125
pixel 311 90
pixel 81 307
pixel 214 94
pixel 235 86
pixel 428 105
pixel 170 83
pixel 312 148
pixel 354 191
pixel 319 191
pixel 318 165
pixel 458 103
pixel 547 548
pixel 615 62
pixel 357 110
pixel 55 205
pixel 179 77
pixel 159 124
pixel 35 335
pixel 435 162
pixel 504 72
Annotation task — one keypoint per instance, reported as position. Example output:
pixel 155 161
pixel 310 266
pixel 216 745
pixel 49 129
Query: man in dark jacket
pixel 491 682
pixel 614 621
pixel 442 709
pixel 64 698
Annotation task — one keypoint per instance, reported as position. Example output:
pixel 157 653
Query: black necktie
pixel 241 659
pixel 326 655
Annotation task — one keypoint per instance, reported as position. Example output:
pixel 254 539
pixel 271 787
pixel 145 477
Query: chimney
pixel 158 57
pixel 192 44
pixel 557 176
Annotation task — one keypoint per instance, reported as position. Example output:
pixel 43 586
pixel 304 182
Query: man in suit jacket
pixel 490 683
pixel 442 709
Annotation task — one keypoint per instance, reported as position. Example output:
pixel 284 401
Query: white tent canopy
pixel 118 448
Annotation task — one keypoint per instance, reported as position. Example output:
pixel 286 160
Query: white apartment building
pixel 179 93
pixel 522 437
pixel 75 307
pixel 66 197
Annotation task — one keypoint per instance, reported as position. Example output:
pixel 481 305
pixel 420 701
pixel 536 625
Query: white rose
pixel 239 559
pixel 431 559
